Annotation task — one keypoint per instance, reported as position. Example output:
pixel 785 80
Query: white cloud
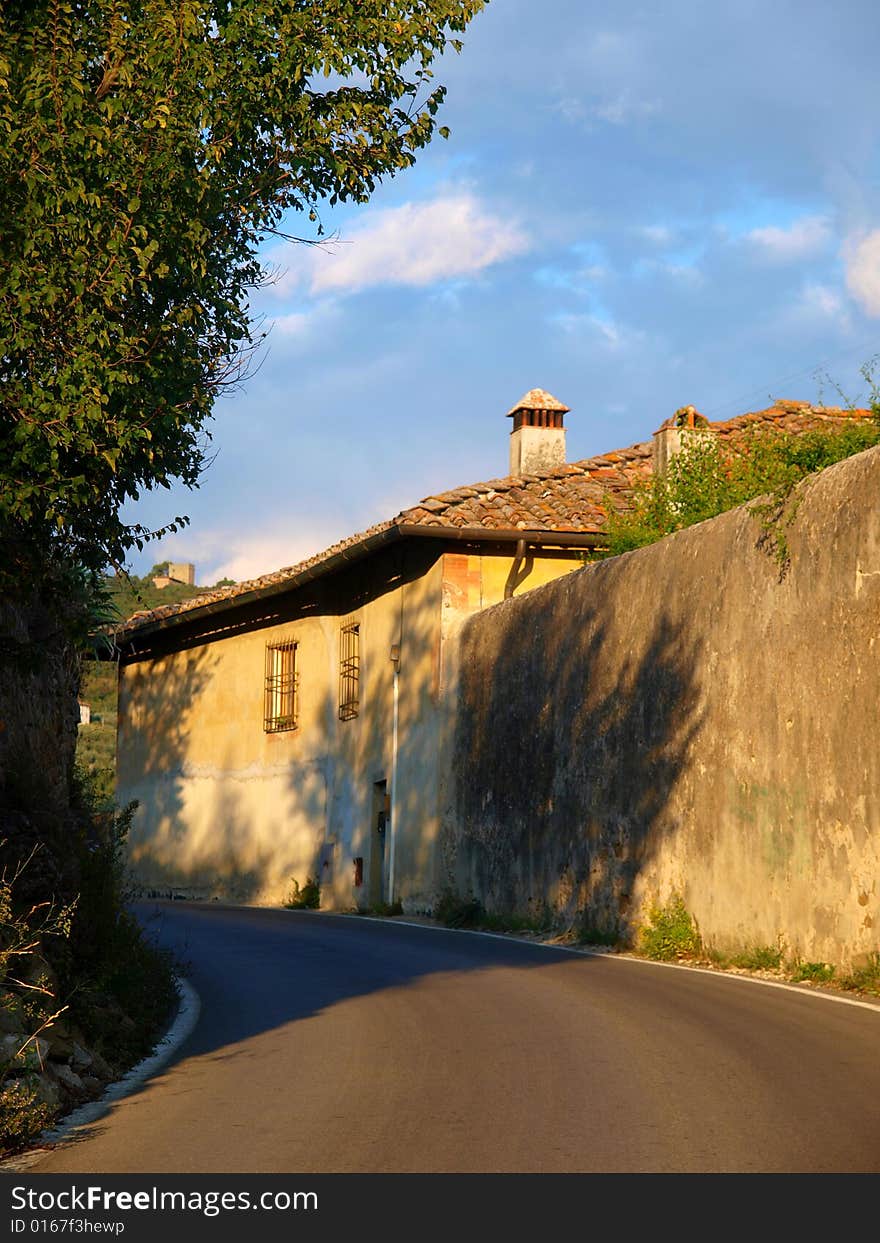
pixel 802 238
pixel 624 107
pixel 659 234
pixel 294 324
pixel 597 329
pixel 823 300
pixel 619 108
pixel 220 553
pixel 416 244
pixel 861 257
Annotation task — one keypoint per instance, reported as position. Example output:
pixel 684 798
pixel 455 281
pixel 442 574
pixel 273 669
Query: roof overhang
pixel 357 552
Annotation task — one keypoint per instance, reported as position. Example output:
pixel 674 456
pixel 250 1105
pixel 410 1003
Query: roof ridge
pixel 574 497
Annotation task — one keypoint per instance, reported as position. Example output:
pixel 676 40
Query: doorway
pixel 379 817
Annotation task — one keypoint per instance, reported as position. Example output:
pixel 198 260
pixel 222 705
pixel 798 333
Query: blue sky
pixel 640 206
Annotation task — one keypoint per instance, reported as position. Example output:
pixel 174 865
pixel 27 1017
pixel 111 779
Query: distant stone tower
pixel 537 442
pixel 182 572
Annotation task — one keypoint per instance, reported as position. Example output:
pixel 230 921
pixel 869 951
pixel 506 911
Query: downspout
pixel 518 559
pixel 395 657
pixel 396 649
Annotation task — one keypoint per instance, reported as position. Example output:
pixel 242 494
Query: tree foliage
pixel 709 476
pixel 147 148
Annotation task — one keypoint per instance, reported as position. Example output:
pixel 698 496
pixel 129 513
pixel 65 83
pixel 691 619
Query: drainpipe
pixel 395 659
pixel 515 568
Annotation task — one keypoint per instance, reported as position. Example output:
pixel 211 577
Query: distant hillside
pixel 96 742
pixel 132 594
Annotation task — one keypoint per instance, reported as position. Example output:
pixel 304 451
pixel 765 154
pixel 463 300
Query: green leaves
pixel 708 477
pixel 145 150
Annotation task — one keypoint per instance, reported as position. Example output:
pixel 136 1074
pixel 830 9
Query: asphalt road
pixel 334 1044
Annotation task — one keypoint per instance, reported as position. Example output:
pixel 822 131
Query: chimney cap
pixel 685 416
pixel 537 399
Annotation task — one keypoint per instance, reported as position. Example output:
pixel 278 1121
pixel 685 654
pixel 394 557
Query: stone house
pixel 301 724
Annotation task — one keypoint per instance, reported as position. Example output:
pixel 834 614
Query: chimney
pixel 674 433
pixel 537 442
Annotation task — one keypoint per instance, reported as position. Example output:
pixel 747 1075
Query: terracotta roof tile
pixel 574 498
pixel 537 399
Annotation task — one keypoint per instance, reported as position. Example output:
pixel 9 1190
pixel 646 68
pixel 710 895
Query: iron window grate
pixel 281 705
pixel 349 671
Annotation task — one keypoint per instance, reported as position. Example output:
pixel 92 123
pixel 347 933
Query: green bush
pixel 671 932
pixel 123 987
pixel 456 912
pixel 758 958
pixel 386 909
pixel 23 1114
pixel 815 972
pixel 306 898
pixel 708 477
pixel 592 934
pixel 864 979
pixel 86 962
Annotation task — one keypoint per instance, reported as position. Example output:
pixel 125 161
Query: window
pixel 281 705
pixel 349 671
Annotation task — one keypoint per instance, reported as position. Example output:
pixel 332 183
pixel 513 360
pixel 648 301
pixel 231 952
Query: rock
pixel 62 1037
pixel 81 1058
pixel 45 1090
pixel 67 1076
pixel 100 1067
pixel 32 1057
pixel 93 1086
pixel 9 1047
pixel 12 1016
pixel 60 1045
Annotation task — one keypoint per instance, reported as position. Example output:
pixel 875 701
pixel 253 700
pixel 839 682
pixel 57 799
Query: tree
pixel 708 477
pixel 147 148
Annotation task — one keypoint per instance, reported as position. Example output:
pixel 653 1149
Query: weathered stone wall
pixel 39 677
pixel 684 719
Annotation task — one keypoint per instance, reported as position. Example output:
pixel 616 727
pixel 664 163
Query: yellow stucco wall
pixel 229 810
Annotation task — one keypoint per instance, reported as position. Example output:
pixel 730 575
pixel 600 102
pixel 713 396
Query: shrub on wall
pixel 670 933
pixel 708 477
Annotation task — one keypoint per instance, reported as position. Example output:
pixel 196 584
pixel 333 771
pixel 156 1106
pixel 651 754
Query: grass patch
pixel 456 912
pixel 758 958
pixel 814 972
pixel 494 921
pixel 307 898
pixel 591 934
pixel 670 933
pixel 864 979
pixel 387 910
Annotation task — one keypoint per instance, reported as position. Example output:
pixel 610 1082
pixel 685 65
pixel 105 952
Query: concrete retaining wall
pixel 682 719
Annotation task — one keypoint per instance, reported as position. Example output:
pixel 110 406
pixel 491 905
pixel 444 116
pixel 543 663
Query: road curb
pixel 184 1022
pixel 614 956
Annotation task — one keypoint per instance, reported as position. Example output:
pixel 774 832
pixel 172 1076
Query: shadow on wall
pixel 153 742
pixel 567 750
pixel 215 829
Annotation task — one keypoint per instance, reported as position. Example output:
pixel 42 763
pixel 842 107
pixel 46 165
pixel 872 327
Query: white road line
pixel 618 957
